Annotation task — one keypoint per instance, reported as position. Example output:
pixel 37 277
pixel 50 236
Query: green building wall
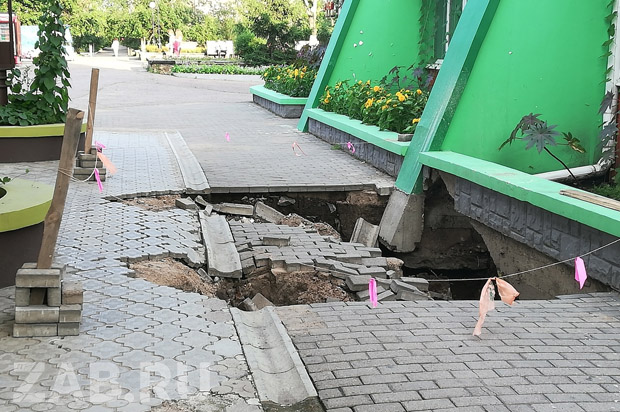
pixel 540 56
pixel 389 31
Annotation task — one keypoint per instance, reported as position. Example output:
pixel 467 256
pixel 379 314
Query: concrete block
pixel 267 213
pixel 248 305
pixel 25 330
pixel 22 296
pixel 365 294
pixel 53 297
pixel 72 293
pixel 357 283
pixel 36 314
pixel 386 296
pixel 365 233
pixel 234 209
pixel 261 302
pixel 70 314
pixel 38 278
pixel 33 265
pixel 279 241
pixel 69 329
pixel 392 274
pixel 200 201
pixel 402 222
pixel 385 283
pixel 410 296
pixel 204 275
pixel 420 283
pixel 375 261
pixel 398 285
pixel 373 271
pixel 185 203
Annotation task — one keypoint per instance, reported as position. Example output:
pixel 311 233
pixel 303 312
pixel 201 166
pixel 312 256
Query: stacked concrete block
pixel 45 304
pixel 85 164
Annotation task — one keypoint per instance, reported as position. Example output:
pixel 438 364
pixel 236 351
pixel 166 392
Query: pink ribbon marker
pixel 351 147
pixel 227 137
pixel 372 291
pixel 296 146
pixel 99 146
pixel 580 272
pixel 98 179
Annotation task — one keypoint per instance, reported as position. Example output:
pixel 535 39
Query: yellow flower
pixel 416 120
pixel 376 89
pixel 360 82
pixel 296 72
pixel 419 92
pixel 384 107
pixel 326 100
pixel 278 77
pixel 301 75
pixel 401 97
pixel 367 82
pixel 369 103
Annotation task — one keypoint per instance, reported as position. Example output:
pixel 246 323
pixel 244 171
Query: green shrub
pixel 216 69
pixel 607 190
pixel 290 80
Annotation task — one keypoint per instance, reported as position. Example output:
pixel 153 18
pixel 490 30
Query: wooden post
pixel 70 140
pixel 92 105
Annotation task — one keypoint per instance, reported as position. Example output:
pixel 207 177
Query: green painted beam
pixel 451 81
pixel 43 130
pixel 25 204
pixel 527 188
pixel 276 97
pixel 371 134
pixel 329 60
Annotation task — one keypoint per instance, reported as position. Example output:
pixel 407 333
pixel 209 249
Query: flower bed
pixel 217 69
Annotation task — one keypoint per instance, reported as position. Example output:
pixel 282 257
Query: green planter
pixel 23 206
pixel 278 103
pixel 33 143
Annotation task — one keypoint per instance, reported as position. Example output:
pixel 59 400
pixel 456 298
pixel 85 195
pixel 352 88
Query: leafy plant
pixel 396 103
pixel 216 69
pixel 536 132
pixel 46 99
pixel 290 80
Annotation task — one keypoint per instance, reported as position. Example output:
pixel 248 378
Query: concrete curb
pixel 222 256
pixel 193 175
pixel 281 379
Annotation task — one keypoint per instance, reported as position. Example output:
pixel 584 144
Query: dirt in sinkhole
pixel 154 204
pixel 293 288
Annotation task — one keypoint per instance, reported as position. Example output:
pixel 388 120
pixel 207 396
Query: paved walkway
pixel 559 355
pixel 259 156
pixel 140 344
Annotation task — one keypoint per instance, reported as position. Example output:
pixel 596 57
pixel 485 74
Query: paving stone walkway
pixel 557 355
pixel 259 156
pixel 140 344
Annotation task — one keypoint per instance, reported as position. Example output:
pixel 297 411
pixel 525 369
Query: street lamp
pixel 153 5
pixel 7 53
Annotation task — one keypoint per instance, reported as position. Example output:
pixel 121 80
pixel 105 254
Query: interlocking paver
pixel 506 369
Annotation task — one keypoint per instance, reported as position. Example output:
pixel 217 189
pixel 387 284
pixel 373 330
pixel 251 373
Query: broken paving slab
pixel 281 379
pixel 185 203
pixel 267 213
pixel 357 283
pixel 222 256
pixel 365 233
pixel 234 209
